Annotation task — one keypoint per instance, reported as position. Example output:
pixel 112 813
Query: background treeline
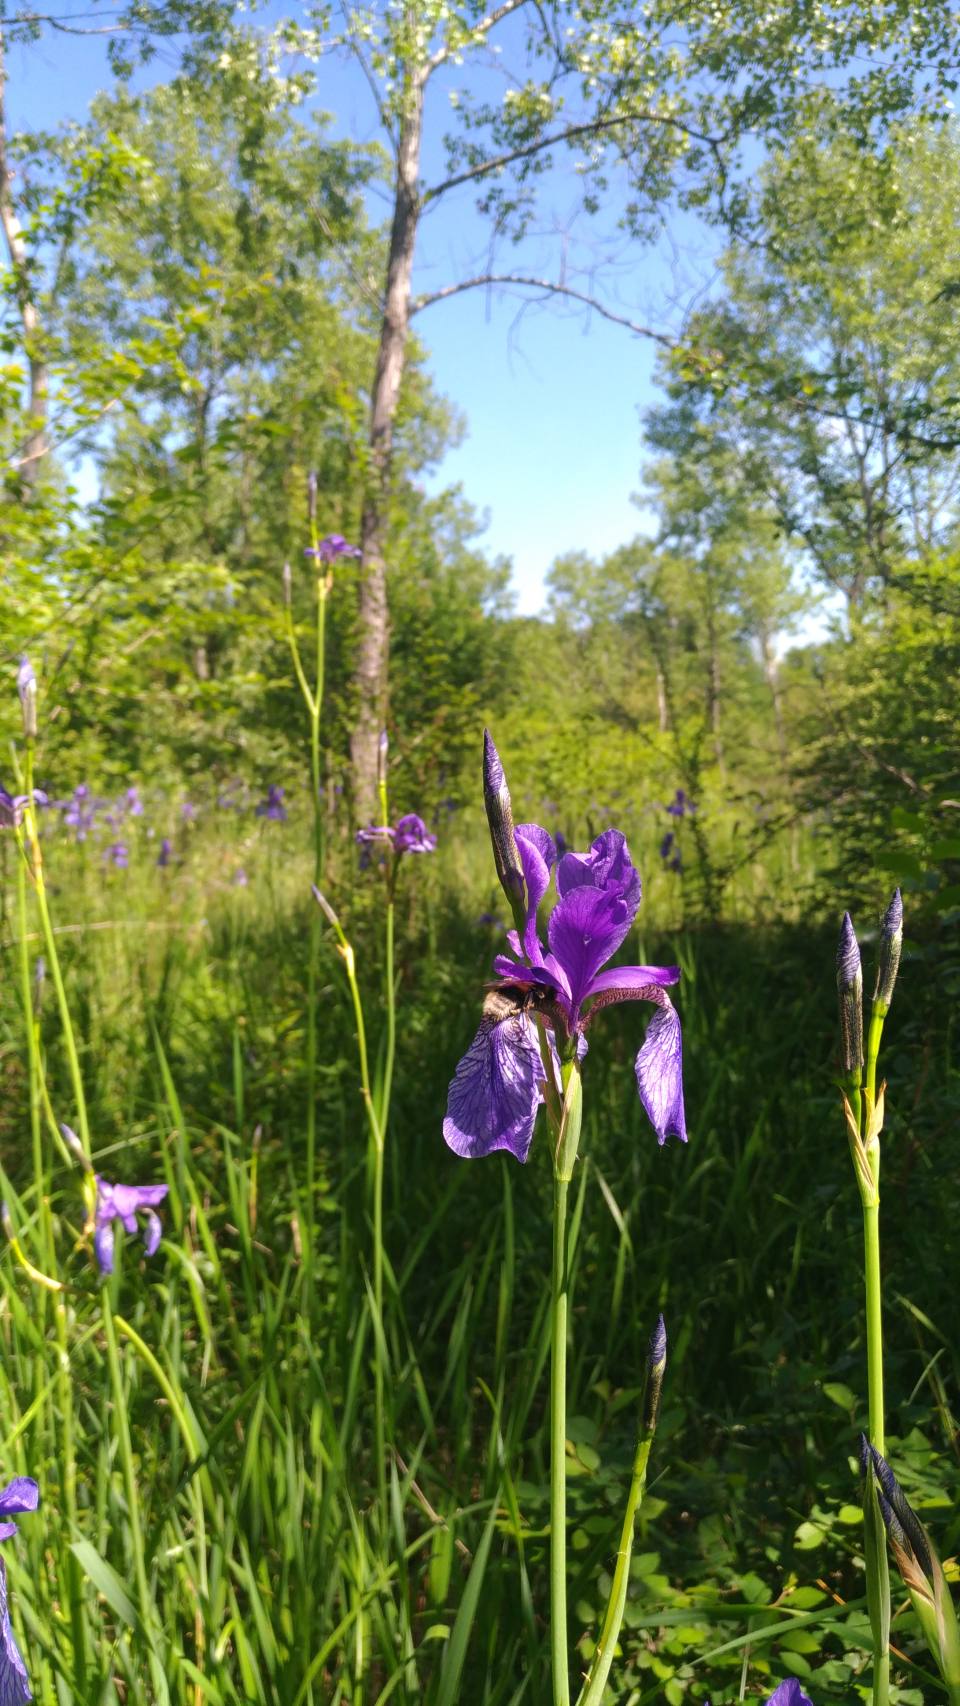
pixel 205 268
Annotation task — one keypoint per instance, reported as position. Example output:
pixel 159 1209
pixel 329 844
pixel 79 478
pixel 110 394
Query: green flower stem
pixel 874 1330
pixel 558 1450
pixel 592 1692
pixel 66 1023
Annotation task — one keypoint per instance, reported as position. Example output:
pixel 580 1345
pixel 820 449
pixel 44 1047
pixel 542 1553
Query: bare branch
pixel 550 287
pixel 590 127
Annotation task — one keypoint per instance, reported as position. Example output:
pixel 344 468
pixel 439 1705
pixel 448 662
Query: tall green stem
pixel 125 1451
pixel 592 1691
pixel 874 1337
pixel 558 1450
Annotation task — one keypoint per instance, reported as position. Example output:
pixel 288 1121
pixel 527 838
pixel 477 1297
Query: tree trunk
pixel 663 710
pixel 35 446
pixel 374 646
pixel 773 682
pixel 713 692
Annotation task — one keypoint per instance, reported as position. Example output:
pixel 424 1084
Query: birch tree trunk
pixel 371 671
pixel 35 446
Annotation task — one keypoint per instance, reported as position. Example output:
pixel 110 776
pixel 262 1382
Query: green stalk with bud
pixel 863 1110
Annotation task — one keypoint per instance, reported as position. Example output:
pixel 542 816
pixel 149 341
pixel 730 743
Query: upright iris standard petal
pixel 607 866
pixel 659 1069
pixel 586 927
pixel 538 855
pixel 14 1684
pixel 495 1092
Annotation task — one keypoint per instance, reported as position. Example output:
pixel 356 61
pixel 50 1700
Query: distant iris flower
pixel 124 1202
pixel 80 811
pixel 495 1093
pixel 166 852
pixel 188 811
pixel 332 547
pixel 12 808
pixel 273 806
pixel 131 803
pixel 670 852
pixel 19 1495
pixel 118 854
pixel 681 806
pixel 408 835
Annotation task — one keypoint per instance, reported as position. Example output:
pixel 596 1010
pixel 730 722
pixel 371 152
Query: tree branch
pixel 589 128
pixel 483 28
pixel 550 287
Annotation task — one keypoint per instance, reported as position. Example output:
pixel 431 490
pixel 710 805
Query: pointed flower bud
pixel 287 584
pixel 383 750
pixel 656 1367
pixel 496 798
pixel 888 959
pixel 850 991
pixel 921 1571
pixel 27 688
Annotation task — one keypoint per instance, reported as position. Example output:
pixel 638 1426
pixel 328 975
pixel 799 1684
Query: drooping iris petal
pixel 538 855
pixel 495 1092
pixel 103 1246
pixel 20 1494
pixel 607 866
pixel 789 1693
pixel 14 1686
pixel 124 1203
pixel 586 927
pixel 659 1070
pixel 152 1233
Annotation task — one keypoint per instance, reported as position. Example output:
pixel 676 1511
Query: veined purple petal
pixel 495 1092
pixel 789 1693
pixel 607 866
pixel 659 1070
pixel 20 1494
pixel 586 927
pixel 632 980
pixel 14 1685
pixel 7 1530
pixel 538 855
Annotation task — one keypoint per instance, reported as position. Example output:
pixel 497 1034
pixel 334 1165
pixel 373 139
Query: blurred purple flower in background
pixel 408 835
pixel 117 854
pixel 131 803
pixel 13 806
pixel 681 805
pixel 188 811
pixel 332 547
pixel 670 852
pixel 273 806
pixel 124 1202
pixel 18 1496
pixel 80 810
pixel 166 852
pixel 240 878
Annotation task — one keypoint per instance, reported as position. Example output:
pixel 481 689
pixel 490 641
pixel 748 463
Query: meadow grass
pixel 255 1555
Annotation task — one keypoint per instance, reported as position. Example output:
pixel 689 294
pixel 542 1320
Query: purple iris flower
pixel 19 1495
pixel 273 806
pixel 681 805
pixel 408 835
pixel 124 1202
pixel 117 854
pixel 789 1693
pixel 166 852
pixel 188 811
pixel 494 1095
pixel 12 808
pixel 131 804
pixel 332 547
pixel 80 811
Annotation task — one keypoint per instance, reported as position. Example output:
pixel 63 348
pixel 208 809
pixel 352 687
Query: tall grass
pixel 240 1549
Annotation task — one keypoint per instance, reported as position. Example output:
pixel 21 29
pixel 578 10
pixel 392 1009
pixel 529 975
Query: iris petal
pixel 608 866
pixel 659 1070
pixel 495 1092
pixel 538 855
pixel 20 1494
pixel 586 927
pixel 14 1686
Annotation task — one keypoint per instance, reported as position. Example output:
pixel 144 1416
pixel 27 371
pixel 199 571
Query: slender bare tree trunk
pixel 35 445
pixel 663 710
pixel 371 672
pixel 772 678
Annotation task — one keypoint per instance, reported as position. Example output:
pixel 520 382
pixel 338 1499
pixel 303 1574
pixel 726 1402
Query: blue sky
pixel 551 399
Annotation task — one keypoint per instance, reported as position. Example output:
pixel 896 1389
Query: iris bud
pixel 496 798
pixel 850 991
pixel 656 1367
pixel 27 688
pixel 888 960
